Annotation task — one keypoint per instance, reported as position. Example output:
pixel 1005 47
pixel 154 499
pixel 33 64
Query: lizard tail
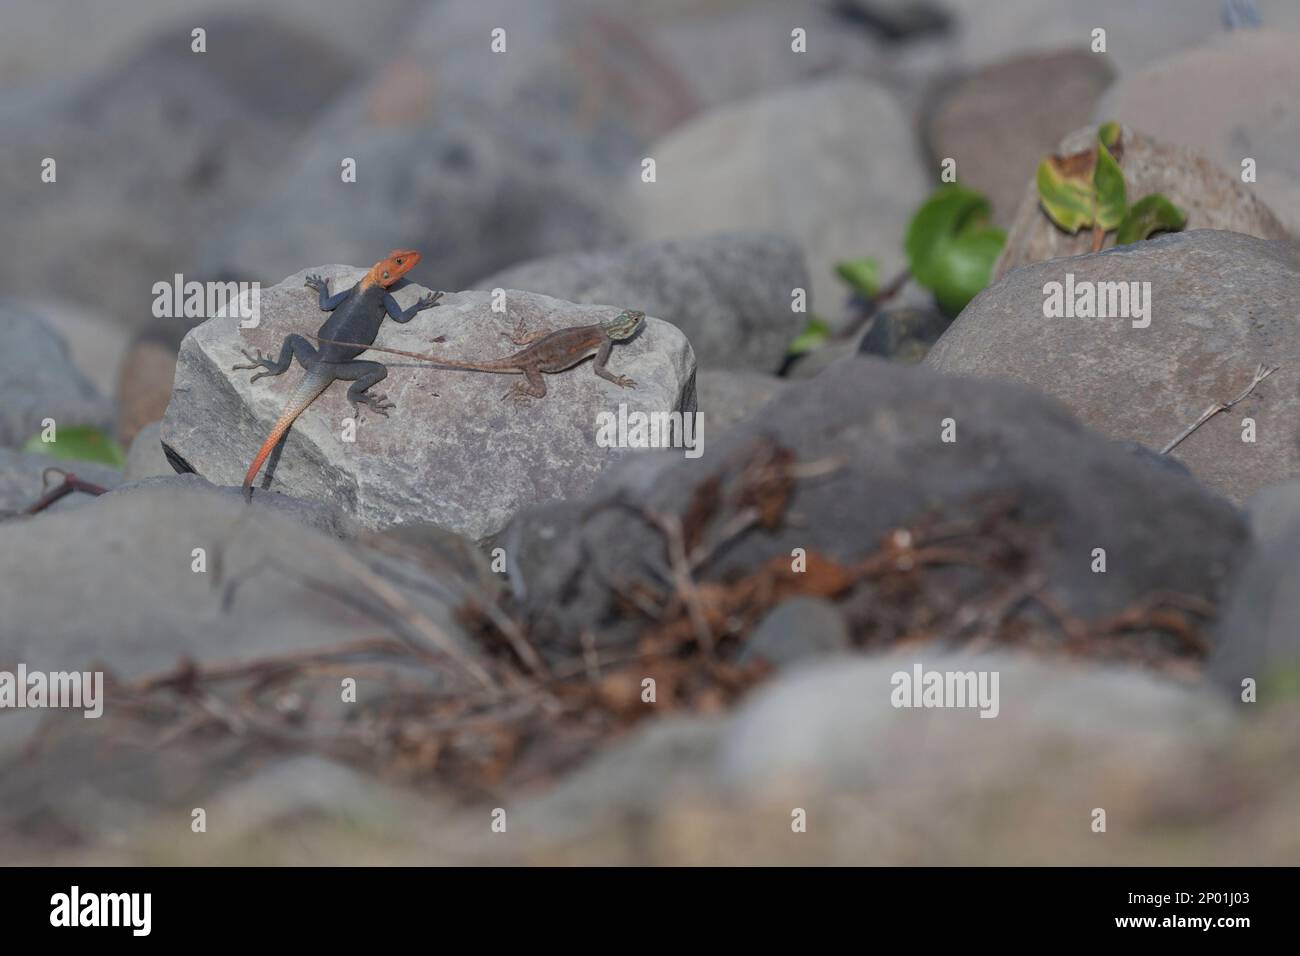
pixel 314 382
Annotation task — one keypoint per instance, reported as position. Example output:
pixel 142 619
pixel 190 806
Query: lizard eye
pixel 399 262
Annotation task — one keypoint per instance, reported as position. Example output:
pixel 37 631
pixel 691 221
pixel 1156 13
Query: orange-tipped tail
pixel 315 382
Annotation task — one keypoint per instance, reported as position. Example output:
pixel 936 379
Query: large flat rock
pixel 452 452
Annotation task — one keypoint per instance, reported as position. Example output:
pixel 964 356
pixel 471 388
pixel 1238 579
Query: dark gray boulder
pixel 882 424
pixel 1220 304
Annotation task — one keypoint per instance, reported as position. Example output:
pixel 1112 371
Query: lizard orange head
pixel 393 266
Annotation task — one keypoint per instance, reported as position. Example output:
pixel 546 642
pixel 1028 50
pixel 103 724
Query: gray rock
pixel 144 385
pixel 833 727
pixel 300 788
pixel 902 331
pixel 1210 198
pixel 452 452
pixel 831 164
pixel 22 483
pixel 795 630
pixel 881 423
pixel 1231 99
pixel 145 458
pixel 479 160
pixel 904 334
pixel 1135 33
pixel 96 343
pixel 726 397
pixel 36 51
pixel 710 55
pixel 120 224
pixel 125 593
pixel 635 780
pixel 1273 510
pixel 439 553
pixel 312 514
pixel 1154 457
pixel 999 121
pixel 884 784
pixel 1258 632
pixel 1221 303
pixel 729 294
pixel 39 380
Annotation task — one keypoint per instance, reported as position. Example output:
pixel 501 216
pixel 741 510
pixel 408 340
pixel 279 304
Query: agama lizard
pixel 546 353
pixel 356 315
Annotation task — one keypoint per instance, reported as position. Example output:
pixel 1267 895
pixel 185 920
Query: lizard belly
pixel 567 362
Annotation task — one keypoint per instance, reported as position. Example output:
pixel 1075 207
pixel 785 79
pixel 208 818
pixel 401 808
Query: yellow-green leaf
pixel 1149 215
pixel 862 276
pixel 79 443
pixel 1066 190
pixel 814 334
pixel 1112 196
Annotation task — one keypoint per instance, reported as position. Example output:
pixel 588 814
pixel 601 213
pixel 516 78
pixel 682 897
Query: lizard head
pixel 624 325
pixel 393 266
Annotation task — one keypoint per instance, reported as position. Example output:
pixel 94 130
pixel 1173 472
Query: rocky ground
pixel 470 631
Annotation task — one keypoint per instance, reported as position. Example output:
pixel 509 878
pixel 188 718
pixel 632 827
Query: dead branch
pixel 1261 372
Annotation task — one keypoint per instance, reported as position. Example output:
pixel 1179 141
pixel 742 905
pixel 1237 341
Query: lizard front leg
pixel 363 375
pixel 395 311
pixel 598 366
pixel 294 346
pixel 328 303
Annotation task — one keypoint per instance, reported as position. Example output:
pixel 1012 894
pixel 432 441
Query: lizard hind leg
pixel 521 335
pixel 294 346
pixel 533 386
pixel 363 375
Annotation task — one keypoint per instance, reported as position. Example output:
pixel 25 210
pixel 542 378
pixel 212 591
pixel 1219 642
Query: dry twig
pixel 1261 372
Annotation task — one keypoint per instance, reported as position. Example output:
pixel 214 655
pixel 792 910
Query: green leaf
pixel 966 268
pixel 80 443
pixel 862 276
pixel 1067 191
pixel 1112 196
pixel 1108 134
pixel 814 334
pixel 1150 214
pixel 951 247
pixel 950 211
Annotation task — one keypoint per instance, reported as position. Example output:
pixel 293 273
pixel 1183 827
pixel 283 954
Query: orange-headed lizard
pixel 545 353
pixel 355 317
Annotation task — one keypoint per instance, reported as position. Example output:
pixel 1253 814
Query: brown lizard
pixel 546 353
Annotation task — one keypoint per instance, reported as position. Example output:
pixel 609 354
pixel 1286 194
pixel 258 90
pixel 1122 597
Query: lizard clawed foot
pixel 376 403
pixel 316 282
pixel 256 360
pixel 521 335
pixel 519 396
pixel 622 381
pixel 428 301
